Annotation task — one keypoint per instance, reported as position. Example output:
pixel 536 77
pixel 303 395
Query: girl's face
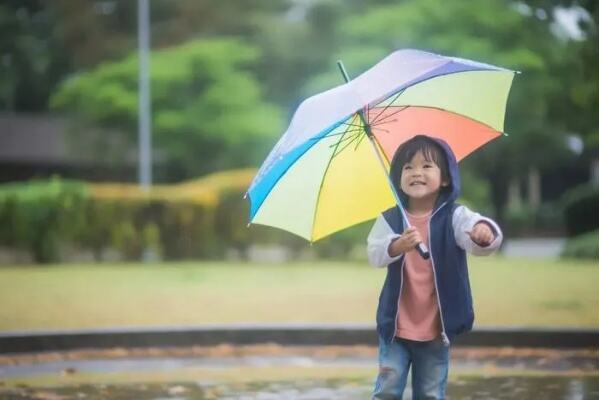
pixel 421 179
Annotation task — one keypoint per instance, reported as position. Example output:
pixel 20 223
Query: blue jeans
pixel 429 362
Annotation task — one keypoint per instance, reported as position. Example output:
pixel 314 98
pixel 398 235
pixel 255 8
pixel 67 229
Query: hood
pixel 449 195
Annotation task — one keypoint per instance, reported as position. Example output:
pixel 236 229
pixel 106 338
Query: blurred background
pixel 225 78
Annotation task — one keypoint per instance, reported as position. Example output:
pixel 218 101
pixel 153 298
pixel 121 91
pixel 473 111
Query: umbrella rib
pixel 350 138
pixel 359 140
pixel 381 129
pixel 444 110
pixel 354 135
pixel 350 124
pixel 386 117
pixel 339 134
pixel 387 106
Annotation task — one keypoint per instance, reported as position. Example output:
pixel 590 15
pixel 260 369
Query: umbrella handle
pixel 423 251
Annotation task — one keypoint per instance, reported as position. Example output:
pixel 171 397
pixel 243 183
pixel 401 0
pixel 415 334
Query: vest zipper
pixel 430 241
pixel 403 262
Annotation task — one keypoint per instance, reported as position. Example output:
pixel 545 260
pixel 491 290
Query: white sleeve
pixel 380 237
pixel 463 221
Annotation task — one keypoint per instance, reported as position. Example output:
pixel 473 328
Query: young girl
pixel 424 303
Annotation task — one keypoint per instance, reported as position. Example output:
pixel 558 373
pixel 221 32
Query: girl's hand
pixel 406 242
pixel 481 234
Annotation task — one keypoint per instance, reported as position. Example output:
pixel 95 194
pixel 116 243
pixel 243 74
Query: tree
pixel 42 42
pixel 208 111
pixel 33 58
pixel 584 93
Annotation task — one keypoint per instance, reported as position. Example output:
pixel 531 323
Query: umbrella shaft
pixel 375 147
pixel 391 185
pixel 361 112
pixel 421 247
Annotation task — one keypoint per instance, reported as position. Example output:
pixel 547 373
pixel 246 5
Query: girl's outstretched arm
pixel 464 221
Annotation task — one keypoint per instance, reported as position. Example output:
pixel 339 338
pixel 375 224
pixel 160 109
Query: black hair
pixel 431 150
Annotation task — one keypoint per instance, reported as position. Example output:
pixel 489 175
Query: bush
pixel 341 244
pixel 198 218
pixel 583 246
pixel 580 209
pixel 140 223
pixel 174 222
pixel 39 216
pixel 545 220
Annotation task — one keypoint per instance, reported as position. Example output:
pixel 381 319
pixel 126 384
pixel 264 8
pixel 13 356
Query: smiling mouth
pixel 417 183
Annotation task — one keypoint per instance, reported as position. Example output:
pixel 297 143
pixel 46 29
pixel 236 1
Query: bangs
pixel 431 151
pixel 428 150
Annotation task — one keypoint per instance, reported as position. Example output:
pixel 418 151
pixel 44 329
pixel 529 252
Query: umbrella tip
pixel 505 134
pixel 248 225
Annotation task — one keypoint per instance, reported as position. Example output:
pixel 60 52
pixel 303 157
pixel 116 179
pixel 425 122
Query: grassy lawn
pixel 506 292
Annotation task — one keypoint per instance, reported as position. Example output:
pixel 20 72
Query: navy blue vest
pixel 451 271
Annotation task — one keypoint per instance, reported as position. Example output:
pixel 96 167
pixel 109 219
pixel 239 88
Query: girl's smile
pixel 421 179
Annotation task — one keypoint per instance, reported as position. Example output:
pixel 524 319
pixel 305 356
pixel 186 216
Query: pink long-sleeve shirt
pixel 418 309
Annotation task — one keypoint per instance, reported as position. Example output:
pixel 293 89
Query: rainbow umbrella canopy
pixel 322 176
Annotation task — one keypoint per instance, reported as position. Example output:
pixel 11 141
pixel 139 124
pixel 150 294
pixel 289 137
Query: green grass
pixel 517 292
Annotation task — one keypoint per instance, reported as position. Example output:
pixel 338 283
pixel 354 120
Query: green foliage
pixel 33 57
pixel 585 246
pixel 44 41
pixel 577 113
pixel 172 229
pixel 545 220
pixel 341 245
pixel 475 192
pixel 44 217
pixel 34 215
pixel 208 111
pixel 580 209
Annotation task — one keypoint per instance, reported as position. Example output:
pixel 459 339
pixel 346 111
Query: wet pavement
pixel 466 388
pixel 293 373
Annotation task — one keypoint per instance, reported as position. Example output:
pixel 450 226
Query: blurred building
pixel 40 146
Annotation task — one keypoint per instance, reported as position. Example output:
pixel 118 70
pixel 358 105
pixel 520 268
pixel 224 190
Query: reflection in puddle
pixel 287 373
pixel 465 388
pixel 566 388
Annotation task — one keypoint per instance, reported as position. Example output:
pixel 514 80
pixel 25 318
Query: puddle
pixel 287 373
pixel 522 388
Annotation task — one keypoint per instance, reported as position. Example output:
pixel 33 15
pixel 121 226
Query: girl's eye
pixel 407 167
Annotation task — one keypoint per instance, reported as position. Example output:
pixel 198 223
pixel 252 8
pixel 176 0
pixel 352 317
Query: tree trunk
pixel 499 188
pixel 595 171
pixel 534 187
pixel 514 194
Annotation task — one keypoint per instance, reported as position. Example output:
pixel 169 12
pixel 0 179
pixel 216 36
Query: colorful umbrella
pixel 322 176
